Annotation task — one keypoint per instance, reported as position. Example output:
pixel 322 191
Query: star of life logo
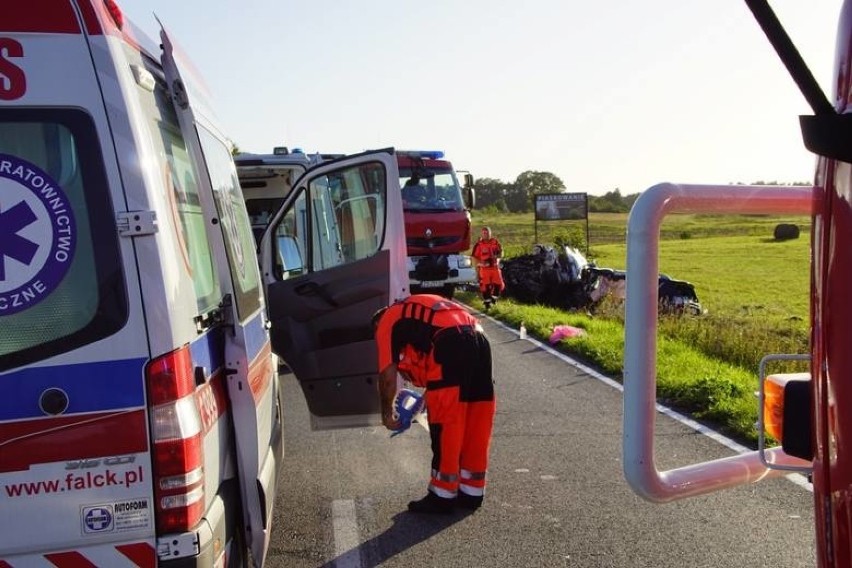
pixel 38 235
pixel 97 519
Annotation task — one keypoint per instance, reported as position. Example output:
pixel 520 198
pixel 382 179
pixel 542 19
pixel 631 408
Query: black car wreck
pixel 566 280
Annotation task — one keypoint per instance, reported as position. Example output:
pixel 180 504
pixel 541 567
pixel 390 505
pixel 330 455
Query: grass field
pixel 755 292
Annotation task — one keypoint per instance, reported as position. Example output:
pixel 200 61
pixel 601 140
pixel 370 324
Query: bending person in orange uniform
pixel 487 252
pixel 436 344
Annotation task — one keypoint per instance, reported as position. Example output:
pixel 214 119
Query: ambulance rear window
pixel 183 196
pixel 61 282
pixel 236 228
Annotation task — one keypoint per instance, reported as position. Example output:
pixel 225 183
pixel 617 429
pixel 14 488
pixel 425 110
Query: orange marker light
pixel 773 401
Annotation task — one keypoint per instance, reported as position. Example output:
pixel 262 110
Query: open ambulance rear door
pixel 332 256
pixel 249 367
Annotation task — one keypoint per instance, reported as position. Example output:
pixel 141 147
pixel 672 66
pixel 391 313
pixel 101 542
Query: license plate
pixel 431 284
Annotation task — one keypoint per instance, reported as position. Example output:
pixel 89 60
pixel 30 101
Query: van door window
pixel 239 241
pixel 61 279
pixel 347 215
pixel 182 195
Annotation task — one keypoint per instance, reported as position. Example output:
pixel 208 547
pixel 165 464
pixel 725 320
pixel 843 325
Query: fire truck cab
pixel 140 422
pixel 437 222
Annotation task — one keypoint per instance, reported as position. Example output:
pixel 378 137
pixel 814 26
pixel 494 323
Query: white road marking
pixel 347 541
pixel 796 478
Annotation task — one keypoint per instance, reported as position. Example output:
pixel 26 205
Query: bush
pixel 494 208
pixel 570 237
pixel 786 231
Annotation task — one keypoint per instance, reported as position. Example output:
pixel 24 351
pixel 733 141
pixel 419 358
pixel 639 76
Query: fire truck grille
pixel 420 242
pixel 431 268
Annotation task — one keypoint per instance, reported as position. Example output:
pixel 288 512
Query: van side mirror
pixel 289 257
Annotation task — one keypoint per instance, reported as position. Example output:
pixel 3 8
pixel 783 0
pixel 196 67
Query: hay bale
pixel 786 231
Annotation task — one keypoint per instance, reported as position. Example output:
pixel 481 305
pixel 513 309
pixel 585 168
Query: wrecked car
pixel 565 279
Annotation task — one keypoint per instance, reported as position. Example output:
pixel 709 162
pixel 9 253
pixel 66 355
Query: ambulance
pixel 140 414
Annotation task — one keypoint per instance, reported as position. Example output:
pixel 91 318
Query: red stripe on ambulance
pixel 47 16
pixel 137 554
pixel 141 553
pixel 67 438
pixel 69 560
pixel 260 372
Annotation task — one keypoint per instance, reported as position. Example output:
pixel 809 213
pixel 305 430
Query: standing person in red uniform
pixel 487 252
pixel 436 344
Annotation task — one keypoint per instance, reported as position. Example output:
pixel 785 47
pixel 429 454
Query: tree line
pixel 519 196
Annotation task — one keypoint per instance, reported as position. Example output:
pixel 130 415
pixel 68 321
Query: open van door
pixel 332 256
pixel 249 368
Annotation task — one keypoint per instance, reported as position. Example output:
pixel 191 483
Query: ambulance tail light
pixel 177 437
pixel 115 13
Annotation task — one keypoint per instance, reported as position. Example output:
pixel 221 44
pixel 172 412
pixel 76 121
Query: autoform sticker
pixel 38 235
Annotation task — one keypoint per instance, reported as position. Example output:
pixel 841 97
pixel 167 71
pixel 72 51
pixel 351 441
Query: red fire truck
pixel 804 411
pixel 437 222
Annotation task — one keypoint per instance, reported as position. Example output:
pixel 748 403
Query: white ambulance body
pixel 140 415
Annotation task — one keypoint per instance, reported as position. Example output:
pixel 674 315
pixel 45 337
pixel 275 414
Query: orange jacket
pixel 487 251
pixel 406 331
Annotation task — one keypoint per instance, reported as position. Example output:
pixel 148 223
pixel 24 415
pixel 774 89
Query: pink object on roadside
pixel 561 332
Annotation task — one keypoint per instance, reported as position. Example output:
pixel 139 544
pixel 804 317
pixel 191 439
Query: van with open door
pixel 332 255
pixel 140 422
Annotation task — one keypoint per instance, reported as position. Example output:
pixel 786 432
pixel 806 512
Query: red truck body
pixel 816 437
pixel 831 312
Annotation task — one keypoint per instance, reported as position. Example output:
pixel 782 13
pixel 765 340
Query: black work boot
pixel 487 300
pixel 432 505
pixel 469 502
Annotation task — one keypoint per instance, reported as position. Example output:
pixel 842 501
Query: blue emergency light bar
pixel 423 154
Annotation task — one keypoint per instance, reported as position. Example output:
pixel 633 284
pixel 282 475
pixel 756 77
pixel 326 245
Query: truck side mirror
pixel 469 197
pixel 828 135
pixel 468 180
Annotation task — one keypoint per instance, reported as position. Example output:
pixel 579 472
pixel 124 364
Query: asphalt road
pixel 556 494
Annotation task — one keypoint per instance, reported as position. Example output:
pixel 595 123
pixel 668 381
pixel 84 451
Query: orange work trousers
pixel 461 407
pixel 490 280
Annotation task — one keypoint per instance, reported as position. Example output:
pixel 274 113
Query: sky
pixel 612 94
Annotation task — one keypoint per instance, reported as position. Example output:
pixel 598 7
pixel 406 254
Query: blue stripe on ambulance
pixel 90 387
pixel 256 337
pixel 208 351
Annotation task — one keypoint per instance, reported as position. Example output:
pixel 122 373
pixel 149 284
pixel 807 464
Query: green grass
pixel 755 291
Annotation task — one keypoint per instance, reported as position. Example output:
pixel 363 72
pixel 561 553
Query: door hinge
pixel 179 94
pixel 221 315
pixel 137 223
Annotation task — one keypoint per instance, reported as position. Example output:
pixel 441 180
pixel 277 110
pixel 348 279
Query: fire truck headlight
pixel 465 262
